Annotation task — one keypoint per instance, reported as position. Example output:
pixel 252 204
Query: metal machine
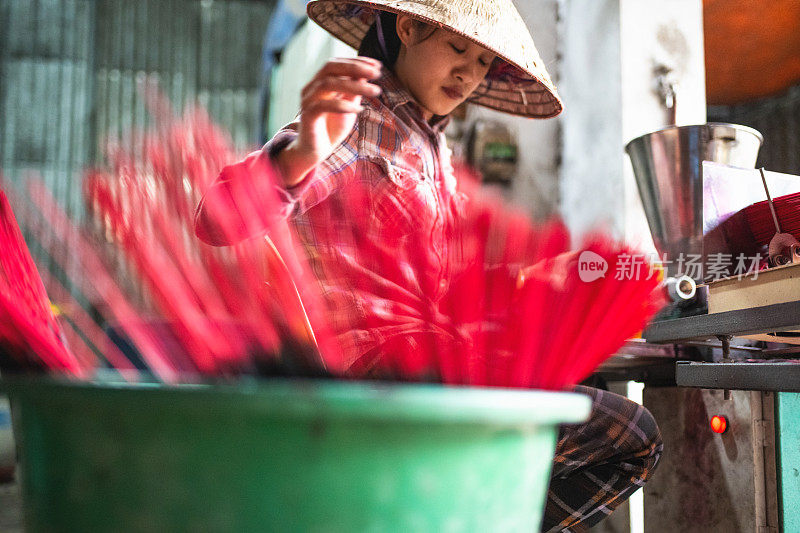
pixel 693 181
pixel 668 165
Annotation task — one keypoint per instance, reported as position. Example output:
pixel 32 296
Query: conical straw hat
pixel 520 86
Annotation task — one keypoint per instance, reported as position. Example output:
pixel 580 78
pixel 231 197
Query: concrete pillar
pixel 609 50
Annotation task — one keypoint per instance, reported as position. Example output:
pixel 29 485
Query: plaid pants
pixel 600 463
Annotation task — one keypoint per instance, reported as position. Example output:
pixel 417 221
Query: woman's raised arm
pixel 330 105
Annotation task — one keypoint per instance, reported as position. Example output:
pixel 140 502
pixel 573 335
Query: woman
pixel 375 123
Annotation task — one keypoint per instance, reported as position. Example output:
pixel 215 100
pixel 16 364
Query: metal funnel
pixel 669 173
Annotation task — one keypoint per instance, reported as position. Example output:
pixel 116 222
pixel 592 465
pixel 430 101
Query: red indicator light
pixel 719 424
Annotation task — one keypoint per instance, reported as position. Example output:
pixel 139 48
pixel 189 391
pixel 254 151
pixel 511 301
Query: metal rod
pixel 730 347
pixel 705 344
pixel 781 351
pixel 769 199
pixel 726 345
pixel 726 356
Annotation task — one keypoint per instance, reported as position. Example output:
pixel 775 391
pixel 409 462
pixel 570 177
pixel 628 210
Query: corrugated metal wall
pixel 69 71
pixel 45 94
pixel 778 119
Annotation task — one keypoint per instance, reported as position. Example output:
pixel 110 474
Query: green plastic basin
pixel 285 455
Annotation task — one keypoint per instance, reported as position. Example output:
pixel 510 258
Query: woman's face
pixel 442 69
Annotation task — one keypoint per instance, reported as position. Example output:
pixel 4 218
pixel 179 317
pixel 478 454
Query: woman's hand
pixel 330 104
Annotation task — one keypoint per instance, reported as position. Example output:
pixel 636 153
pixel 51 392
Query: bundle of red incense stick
pixel 520 309
pixel 29 332
pixel 760 221
pixel 167 303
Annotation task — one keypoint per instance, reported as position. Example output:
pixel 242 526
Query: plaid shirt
pixel 379 287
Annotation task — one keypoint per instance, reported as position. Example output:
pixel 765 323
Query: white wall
pixel 591 189
pixel 308 50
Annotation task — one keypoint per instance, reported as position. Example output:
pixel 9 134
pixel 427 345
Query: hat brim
pixel 522 90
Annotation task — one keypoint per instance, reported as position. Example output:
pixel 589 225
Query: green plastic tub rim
pixel 336 399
